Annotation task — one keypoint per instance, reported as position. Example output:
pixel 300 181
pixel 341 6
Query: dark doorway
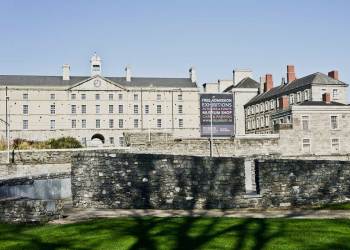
pixel 98 136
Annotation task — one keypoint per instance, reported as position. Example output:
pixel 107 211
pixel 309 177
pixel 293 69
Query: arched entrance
pixel 99 137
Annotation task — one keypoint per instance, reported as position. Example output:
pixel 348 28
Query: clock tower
pixel 95 63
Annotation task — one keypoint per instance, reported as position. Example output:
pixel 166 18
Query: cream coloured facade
pixel 96 106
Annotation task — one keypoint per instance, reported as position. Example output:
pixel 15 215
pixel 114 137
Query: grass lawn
pixel 180 233
pixel 340 206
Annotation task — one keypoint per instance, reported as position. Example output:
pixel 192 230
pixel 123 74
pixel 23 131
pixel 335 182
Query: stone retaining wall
pixel 30 211
pixel 104 180
pixel 285 183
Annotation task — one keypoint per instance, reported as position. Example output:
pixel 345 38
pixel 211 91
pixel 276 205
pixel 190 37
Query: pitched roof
pixel 57 81
pixel 244 83
pixel 321 103
pixel 314 79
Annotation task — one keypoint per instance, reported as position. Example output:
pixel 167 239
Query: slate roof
pixel 314 79
pixel 57 81
pixel 321 103
pixel 244 83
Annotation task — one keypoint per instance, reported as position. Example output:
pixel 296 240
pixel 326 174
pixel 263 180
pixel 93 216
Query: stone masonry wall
pixel 30 211
pixel 104 180
pixel 46 156
pixel 303 182
pixel 200 147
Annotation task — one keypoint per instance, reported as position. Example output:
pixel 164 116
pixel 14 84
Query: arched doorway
pixel 99 137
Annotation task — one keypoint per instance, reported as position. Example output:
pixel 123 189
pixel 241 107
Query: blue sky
pixel 164 38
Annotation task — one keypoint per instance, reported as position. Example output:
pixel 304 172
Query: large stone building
pixel 308 90
pixel 97 106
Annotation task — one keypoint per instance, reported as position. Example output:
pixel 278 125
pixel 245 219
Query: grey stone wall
pixel 200 147
pixel 303 182
pixel 45 156
pixel 104 180
pixel 28 210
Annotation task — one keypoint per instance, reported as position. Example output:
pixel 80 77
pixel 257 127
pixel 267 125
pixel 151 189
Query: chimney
pixel 283 102
pixel 326 97
pixel 262 83
pixel 334 74
pixel 66 72
pixel 269 83
pixel 128 73
pixel 193 74
pixel 290 73
pixel 240 74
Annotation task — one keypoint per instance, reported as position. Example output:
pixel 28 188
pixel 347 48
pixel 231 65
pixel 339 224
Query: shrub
pixel 64 142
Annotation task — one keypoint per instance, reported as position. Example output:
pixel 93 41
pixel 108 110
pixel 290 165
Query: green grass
pixel 340 206
pixel 180 233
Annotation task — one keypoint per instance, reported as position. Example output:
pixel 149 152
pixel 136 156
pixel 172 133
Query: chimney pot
pixel 326 97
pixel 290 73
pixel 193 74
pixel 128 73
pixel 66 72
pixel 283 102
pixel 334 74
pixel 268 83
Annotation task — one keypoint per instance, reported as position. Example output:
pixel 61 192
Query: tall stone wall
pixel 104 180
pixel 303 182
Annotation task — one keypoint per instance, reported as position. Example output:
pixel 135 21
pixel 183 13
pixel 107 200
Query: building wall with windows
pixel 320 130
pixel 259 110
pixel 42 107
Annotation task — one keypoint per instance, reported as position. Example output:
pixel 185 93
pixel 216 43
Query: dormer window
pixel 96 67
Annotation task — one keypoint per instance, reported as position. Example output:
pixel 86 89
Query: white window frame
pixel 136 109
pixel 305 143
pixel 181 123
pixel 74 123
pixel 25 124
pixel 83 96
pixel 52 96
pixel 305 118
pixel 146 109
pixel 98 109
pixel 97 97
pixel 83 123
pixel 52 109
pixel 111 123
pixel 52 124
pixel 159 109
pixel 120 108
pixel 25 96
pixel 121 123
pixel 73 96
pixel 110 97
pixel 179 97
pixel 159 123
pixel 98 123
pixel 83 109
pixel 136 97
pixel 333 145
pixel 111 109
pixel 136 123
pixel 337 120
pixel 73 109
pixel 180 109
pixel 335 94
pixel 159 97
pixel 25 109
